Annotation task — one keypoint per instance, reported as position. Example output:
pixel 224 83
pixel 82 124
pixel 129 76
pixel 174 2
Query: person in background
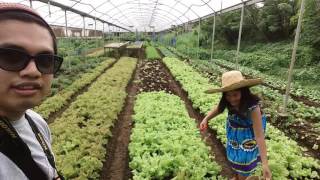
pixel 245 125
pixel 28 62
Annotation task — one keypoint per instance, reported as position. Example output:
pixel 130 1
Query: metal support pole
pixel 30 1
pixel 187 30
pixel 66 21
pixel 154 34
pixel 103 30
pixel 118 29
pixel 66 26
pixel 177 31
pixel 213 33
pixel 137 39
pixel 293 58
pixel 114 34
pixel 111 32
pixel 187 27
pixel 176 37
pixel 239 37
pixel 49 8
pixel 108 32
pixel 199 37
pixel 120 34
pixel 84 27
pixel 95 27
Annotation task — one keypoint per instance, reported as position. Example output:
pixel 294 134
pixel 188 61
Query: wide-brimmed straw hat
pixel 233 80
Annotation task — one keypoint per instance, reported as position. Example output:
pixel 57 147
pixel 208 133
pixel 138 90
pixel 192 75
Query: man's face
pixel 24 89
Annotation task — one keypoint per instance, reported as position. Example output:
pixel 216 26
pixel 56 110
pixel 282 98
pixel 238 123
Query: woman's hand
pixel 266 172
pixel 203 125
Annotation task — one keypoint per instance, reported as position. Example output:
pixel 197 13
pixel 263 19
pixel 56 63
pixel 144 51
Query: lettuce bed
pixel 81 133
pixel 165 142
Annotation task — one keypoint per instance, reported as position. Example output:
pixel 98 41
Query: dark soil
pixel 58 113
pixel 116 165
pixel 302 132
pixel 209 136
pixel 150 76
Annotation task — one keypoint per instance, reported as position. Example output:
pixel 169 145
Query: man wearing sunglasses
pixel 28 62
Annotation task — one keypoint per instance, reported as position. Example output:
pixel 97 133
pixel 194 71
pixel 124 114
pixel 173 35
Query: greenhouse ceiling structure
pixel 130 15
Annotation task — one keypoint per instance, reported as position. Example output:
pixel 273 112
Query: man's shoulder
pixel 37 118
pixel 39 121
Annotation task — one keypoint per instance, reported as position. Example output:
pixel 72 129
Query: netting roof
pixel 141 15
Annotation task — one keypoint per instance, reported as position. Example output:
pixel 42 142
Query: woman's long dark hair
pixel 247 100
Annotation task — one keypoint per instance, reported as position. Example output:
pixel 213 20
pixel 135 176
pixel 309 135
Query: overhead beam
pixel 234 7
pixel 222 11
pixel 64 7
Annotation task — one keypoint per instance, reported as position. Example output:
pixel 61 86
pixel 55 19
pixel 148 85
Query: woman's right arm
pixel 213 113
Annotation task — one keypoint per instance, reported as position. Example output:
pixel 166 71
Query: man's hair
pixel 29 18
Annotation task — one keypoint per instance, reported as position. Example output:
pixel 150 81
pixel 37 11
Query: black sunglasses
pixel 15 60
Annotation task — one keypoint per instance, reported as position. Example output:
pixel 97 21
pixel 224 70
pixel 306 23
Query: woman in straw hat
pixel 246 124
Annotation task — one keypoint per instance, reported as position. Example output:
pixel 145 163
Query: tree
pixel 311 27
pixel 275 18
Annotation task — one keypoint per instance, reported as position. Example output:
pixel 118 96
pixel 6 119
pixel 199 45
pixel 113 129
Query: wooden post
pixel 239 36
pixel 293 58
pixel 213 32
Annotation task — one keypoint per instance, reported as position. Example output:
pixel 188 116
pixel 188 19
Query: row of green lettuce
pixel 71 69
pixel 81 133
pixel 285 156
pixel 165 142
pixel 55 103
pixel 77 46
pixel 152 53
pixel 76 60
pixel 166 52
pixel 296 88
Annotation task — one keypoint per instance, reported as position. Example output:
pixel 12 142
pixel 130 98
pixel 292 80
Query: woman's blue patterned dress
pixel 242 148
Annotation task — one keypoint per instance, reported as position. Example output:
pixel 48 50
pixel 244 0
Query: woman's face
pixel 234 97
